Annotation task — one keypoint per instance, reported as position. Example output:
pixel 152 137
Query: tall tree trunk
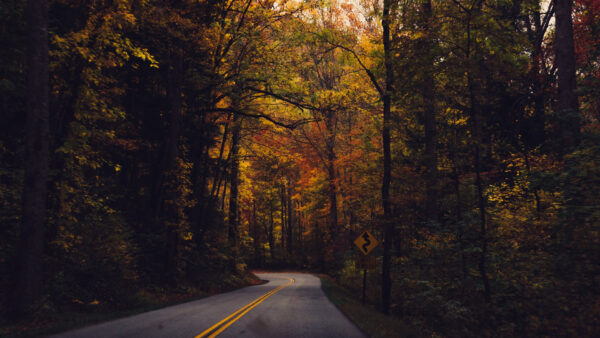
pixel 386 280
pixel 29 276
pixel 459 221
pixel 219 169
pixel 565 62
pixel 536 195
pixel 270 235
pixel 483 231
pixel 331 175
pixel 222 203
pixel 534 134
pixel 477 135
pixel 283 219
pixel 474 90
pixel 428 93
pixel 169 152
pixel 290 219
pixel 538 120
pixel 168 213
pixel 200 187
pixel 233 187
pixel 539 112
pixel 458 209
pixel 255 235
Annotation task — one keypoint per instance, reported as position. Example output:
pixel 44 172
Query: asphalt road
pixel 289 305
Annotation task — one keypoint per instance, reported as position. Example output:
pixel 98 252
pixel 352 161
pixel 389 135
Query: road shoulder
pixel 370 321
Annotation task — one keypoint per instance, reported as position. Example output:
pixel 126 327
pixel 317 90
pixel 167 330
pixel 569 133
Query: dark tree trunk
pixel 458 208
pixel 460 223
pixel 290 219
pixel 170 151
pixel 331 175
pixel 225 181
pixel 428 93
pixel 565 62
pixel 255 235
pixel 220 165
pixel 332 195
pixel 538 120
pixel 536 195
pixel 29 276
pixel 283 219
pixel 233 185
pixel 477 135
pixel 539 115
pixel 269 231
pixel 386 280
pixel 534 133
pixel 484 240
pixel 474 90
pixel 167 212
pixel 200 188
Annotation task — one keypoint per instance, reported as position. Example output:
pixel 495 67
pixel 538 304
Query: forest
pixel 148 145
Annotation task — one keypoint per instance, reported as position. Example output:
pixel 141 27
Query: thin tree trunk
pixel 233 186
pixel 386 281
pixel 460 223
pixel 539 112
pixel 482 219
pixel 29 276
pixel 283 219
pixel 477 131
pixel 255 235
pixel 331 180
pixel 200 188
pixel 222 178
pixel 536 195
pixel 428 93
pixel 290 219
pixel 219 170
pixel 224 193
pixel 270 235
pixel 477 126
pixel 565 62
pixel 170 213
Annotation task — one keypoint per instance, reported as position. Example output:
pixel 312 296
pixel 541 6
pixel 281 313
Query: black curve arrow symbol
pixel 365 246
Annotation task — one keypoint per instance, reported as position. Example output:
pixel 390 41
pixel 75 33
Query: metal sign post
pixel 364 295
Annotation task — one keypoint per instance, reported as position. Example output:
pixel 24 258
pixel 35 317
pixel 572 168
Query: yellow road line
pixel 226 322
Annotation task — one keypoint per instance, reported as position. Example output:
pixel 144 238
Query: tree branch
pixel 298 104
pixel 293 125
pixel 362 65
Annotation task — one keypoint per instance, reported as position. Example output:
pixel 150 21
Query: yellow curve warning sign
pixel 366 242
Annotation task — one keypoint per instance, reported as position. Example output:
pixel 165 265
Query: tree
pixel 429 109
pixel 567 105
pixel 29 277
pixel 386 281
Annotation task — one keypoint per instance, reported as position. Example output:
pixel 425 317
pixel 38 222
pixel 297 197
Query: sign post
pixel 366 242
pixel 364 293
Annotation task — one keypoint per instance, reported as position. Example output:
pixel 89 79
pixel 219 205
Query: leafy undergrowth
pixel 50 319
pixel 370 321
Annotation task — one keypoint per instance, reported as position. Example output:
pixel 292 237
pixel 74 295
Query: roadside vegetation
pixel 367 317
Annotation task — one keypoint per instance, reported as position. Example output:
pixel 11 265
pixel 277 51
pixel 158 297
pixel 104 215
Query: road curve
pixel 289 305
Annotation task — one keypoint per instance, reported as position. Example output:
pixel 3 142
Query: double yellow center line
pixel 219 327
